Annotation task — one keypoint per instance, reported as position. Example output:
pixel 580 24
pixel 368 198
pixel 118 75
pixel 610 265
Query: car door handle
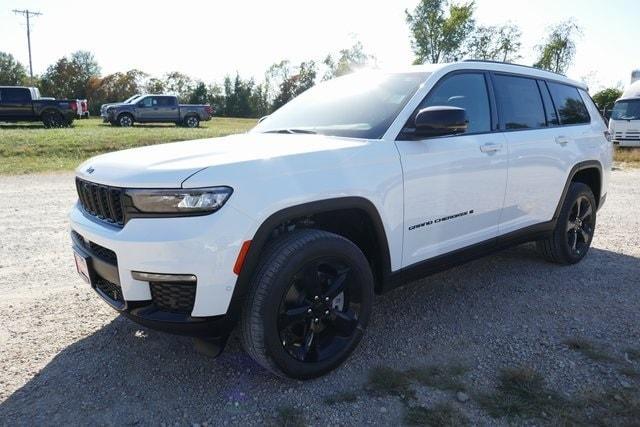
pixel 490 147
pixel 562 140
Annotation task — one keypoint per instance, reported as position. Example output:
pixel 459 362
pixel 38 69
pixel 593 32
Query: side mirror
pixel 440 121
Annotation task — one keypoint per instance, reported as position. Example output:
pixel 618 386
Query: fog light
pixel 161 277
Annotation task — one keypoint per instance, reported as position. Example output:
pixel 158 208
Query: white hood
pixel 169 165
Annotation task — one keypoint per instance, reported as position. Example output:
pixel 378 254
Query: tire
pixel 191 121
pixel 125 120
pixel 308 304
pixel 52 119
pixel 572 236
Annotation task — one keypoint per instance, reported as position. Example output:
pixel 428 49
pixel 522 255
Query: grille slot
pixel 95 249
pixel 111 290
pixel 101 201
pixel 174 297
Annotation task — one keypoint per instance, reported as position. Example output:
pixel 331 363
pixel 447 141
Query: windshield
pixel 360 105
pixel 626 110
pixel 133 98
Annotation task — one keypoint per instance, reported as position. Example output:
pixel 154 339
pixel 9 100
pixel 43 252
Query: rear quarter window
pixel 569 104
pixel 15 94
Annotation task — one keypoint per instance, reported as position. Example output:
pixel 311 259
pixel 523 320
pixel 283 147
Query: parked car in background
pixel 355 187
pixel 103 107
pixel 83 108
pixel 624 123
pixel 19 103
pixel 158 109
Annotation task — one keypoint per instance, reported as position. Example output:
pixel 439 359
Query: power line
pixel 28 14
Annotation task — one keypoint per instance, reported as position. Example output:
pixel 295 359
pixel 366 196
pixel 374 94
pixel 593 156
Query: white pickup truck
pixel 355 187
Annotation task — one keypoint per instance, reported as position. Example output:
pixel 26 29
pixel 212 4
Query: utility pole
pixel 28 14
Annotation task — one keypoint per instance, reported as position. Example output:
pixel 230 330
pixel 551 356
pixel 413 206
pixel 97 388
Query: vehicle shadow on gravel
pixel 509 309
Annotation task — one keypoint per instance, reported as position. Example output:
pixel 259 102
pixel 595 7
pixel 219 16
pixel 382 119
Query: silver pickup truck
pixel 157 109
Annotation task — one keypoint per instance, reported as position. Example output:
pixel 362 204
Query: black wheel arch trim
pixel 589 164
pixel 261 237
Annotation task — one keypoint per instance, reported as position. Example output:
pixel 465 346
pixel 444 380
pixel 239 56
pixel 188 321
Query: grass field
pixel 29 147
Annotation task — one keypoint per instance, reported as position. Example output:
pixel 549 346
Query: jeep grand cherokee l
pixel 354 187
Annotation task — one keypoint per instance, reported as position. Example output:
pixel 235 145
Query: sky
pixel 208 39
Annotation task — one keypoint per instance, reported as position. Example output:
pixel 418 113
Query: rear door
pixel 543 133
pixel 453 185
pixel 166 109
pixel 15 103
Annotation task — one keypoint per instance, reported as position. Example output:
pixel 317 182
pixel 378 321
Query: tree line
pixel 441 31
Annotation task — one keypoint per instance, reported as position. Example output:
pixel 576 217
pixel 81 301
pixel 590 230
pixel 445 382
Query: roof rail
pixel 509 63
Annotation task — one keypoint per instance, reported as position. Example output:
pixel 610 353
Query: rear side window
pixel 15 94
pixel 468 91
pixel 519 102
pixel 569 104
pixel 166 101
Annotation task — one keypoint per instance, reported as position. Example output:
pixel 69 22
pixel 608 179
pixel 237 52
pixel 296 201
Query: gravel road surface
pixel 67 358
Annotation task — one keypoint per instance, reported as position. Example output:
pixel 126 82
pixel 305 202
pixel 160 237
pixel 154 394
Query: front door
pixel 453 185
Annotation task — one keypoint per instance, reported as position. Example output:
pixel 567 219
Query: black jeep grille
pixel 178 298
pixel 101 201
pixel 111 290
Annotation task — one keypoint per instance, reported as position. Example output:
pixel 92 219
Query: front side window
pixel 519 102
pixel 359 105
pixel 569 104
pixel 467 91
pixel 626 110
pixel 146 102
pixel 15 94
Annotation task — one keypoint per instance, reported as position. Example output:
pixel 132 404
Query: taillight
pixel 74 105
pixel 208 109
pixel 607 135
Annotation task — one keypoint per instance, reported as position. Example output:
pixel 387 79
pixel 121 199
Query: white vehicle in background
pixel 624 124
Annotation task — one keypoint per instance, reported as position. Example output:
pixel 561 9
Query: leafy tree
pixel 436 35
pixel 606 98
pixel 347 61
pixel 114 88
pixel 495 43
pixel 154 86
pixel 296 82
pixel 12 73
pixel 558 51
pixel 68 77
pixel 178 84
pixel 199 95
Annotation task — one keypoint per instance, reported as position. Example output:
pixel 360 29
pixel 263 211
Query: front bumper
pixel 205 246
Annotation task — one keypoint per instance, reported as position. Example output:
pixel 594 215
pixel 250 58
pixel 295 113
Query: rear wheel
pixel 571 239
pixel 309 304
pixel 53 119
pixel 191 121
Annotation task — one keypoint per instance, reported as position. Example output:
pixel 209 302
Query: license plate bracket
pixel 82 266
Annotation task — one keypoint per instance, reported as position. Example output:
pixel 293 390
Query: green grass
pixel 341 397
pixel 442 414
pixel 29 147
pixel 388 381
pixel 590 349
pixel 628 156
pixel 440 377
pixel 288 416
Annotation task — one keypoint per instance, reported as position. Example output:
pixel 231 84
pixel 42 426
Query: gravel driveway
pixel 66 357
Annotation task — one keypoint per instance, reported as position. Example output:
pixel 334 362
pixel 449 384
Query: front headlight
pixel 196 201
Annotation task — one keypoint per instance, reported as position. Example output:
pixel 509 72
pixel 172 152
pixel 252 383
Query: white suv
pixel 353 188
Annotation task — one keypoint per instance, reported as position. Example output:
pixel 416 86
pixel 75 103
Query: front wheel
pixel 571 238
pixel 125 120
pixel 309 304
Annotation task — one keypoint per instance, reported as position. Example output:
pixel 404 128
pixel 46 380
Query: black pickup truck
pixel 18 104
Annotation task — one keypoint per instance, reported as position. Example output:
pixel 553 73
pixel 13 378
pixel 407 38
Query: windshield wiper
pixel 291 131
